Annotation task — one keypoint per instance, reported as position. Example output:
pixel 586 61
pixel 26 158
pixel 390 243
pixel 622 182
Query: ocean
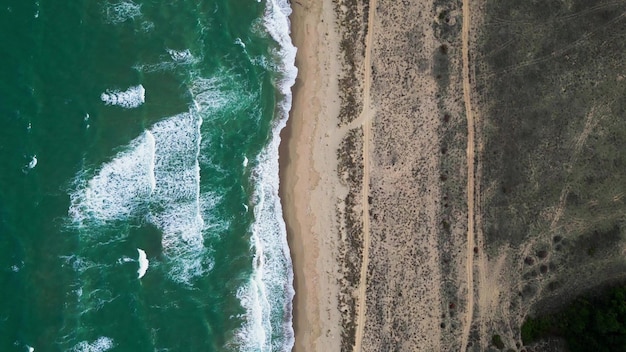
pixel 139 205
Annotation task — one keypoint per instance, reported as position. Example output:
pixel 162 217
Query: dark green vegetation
pixel 352 45
pixel 447 29
pixel 588 324
pixel 553 92
pixel 496 340
pixel 553 76
pixel 446 69
pixel 350 171
pixel 353 29
pixel 550 80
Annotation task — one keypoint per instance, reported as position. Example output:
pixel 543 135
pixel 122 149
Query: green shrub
pixel 497 341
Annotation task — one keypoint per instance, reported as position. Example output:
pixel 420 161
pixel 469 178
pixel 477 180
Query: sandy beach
pixel 310 188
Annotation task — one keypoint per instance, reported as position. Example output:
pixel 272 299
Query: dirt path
pixel 470 175
pixel 366 117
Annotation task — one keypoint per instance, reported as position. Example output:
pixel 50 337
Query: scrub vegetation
pixel 588 324
pixel 550 80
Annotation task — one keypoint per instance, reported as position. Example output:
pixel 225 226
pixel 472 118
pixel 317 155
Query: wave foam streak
pixel 116 13
pixel 176 200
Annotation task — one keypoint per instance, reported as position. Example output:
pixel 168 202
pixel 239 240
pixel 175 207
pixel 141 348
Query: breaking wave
pixel 143 263
pixel 175 204
pixel 183 56
pixel 102 344
pixel 157 177
pixel 130 98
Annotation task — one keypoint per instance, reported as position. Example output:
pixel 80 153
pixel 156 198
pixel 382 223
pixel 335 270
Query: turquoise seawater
pixel 139 205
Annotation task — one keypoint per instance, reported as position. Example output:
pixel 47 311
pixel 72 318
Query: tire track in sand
pixel 366 117
pixel 470 175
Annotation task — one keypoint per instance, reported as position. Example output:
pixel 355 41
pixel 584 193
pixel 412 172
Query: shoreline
pixel 310 188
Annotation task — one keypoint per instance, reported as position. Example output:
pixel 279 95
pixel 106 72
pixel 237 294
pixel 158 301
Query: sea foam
pixel 122 11
pixel 239 42
pixel 209 94
pixel 177 58
pixel 182 56
pixel 102 344
pixel 120 186
pixel 129 98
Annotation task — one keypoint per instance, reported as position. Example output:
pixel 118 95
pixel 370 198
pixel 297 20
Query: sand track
pixel 366 117
pixel 470 175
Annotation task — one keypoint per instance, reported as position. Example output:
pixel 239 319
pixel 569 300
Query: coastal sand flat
pixel 389 291
pixel 404 299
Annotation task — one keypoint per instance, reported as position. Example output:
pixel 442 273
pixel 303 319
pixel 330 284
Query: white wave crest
pixel 33 162
pixel 253 335
pixel 143 263
pixel 122 11
pixel 267 298
pixel 130 98
pixel 276 22
pixel 102 344
pixel 239 42
pixel 184 56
